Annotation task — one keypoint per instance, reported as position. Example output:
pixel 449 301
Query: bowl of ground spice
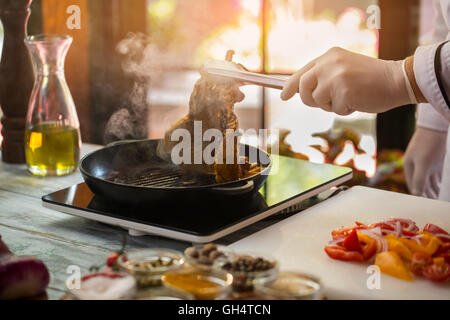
pixel 203 284
pixel 291 285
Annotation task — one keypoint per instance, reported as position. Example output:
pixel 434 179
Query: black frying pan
pixel 132 172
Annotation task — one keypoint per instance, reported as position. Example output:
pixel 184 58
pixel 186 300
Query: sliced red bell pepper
pixel 408 233
pixel 404 223
pixel 351 242
pixel 382 225
pixel 360 224
pixel 343 232
pixel 435 230
pixel 340 253
pixel 432 228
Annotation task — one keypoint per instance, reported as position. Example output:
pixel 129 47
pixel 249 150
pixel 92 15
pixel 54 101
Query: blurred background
pixel 133 65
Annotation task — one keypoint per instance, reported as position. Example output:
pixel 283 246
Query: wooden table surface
pixel 58 239
pixel 62 240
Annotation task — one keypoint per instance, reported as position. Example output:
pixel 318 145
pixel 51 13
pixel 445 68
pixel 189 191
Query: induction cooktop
pixel 210 218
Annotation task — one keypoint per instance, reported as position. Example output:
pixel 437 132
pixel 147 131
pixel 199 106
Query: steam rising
pixel 145 63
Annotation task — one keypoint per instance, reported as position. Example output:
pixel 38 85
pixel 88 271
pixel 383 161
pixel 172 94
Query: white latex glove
pixel 424 160
pixel 341 81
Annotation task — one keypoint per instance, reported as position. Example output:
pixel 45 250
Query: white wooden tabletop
pixel 58 239
pixel 61 240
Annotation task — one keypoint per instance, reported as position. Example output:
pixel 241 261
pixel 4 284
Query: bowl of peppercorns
pixel 204 256
pixel 248 269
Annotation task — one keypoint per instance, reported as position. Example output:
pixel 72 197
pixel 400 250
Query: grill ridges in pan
pixel 157 177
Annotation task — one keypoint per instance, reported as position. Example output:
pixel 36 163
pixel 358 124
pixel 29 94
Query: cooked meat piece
pixel 231 172
pixel 212 103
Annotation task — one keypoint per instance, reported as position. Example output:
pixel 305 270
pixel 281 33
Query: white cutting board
pixel 298 242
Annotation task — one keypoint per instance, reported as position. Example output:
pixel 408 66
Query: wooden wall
pixel 111 21
pixel 93 68
pixel 54 20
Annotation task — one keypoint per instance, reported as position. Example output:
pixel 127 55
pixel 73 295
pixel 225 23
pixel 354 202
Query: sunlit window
pixel 271 36
pixel 183 35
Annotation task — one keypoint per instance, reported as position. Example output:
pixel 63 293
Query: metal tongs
pixel 231 70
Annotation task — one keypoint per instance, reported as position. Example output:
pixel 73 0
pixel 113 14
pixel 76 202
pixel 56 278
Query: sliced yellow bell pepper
pixel 428 244
pixel 390 263
pixel 397 246
pixel 364 237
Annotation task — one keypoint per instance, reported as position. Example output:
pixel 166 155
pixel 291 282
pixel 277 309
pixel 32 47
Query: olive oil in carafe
pixel 52 149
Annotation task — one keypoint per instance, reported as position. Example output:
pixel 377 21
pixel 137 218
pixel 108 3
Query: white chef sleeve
pixel 424 70
pixel 429 118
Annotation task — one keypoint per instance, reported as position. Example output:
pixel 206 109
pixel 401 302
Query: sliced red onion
pixel 412 227
pixel 442 235
pixel 391 223
pixel 407 224
pixel 418 236
pixel 385 244
pixel 335 242
pixel 377 231
pixel 398 229
pixel 376 235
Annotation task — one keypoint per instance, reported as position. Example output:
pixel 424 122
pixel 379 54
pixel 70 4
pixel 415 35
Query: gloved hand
pixel 341 81
pixel 424 160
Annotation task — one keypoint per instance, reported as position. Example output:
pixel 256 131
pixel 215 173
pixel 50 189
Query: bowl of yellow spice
pixel 203 284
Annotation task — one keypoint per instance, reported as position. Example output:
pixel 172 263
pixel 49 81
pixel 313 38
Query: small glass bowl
pixel 134 263
pixel 102 291
pixel 196 262
pixel 163 293
pixel 190 279
pixel 291 286
pixel 244 281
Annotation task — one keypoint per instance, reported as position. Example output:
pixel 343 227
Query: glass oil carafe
pixel 52 133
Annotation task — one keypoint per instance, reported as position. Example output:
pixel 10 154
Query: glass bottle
pixel 52 133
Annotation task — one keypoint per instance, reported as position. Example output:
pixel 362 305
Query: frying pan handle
pixel 247 187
